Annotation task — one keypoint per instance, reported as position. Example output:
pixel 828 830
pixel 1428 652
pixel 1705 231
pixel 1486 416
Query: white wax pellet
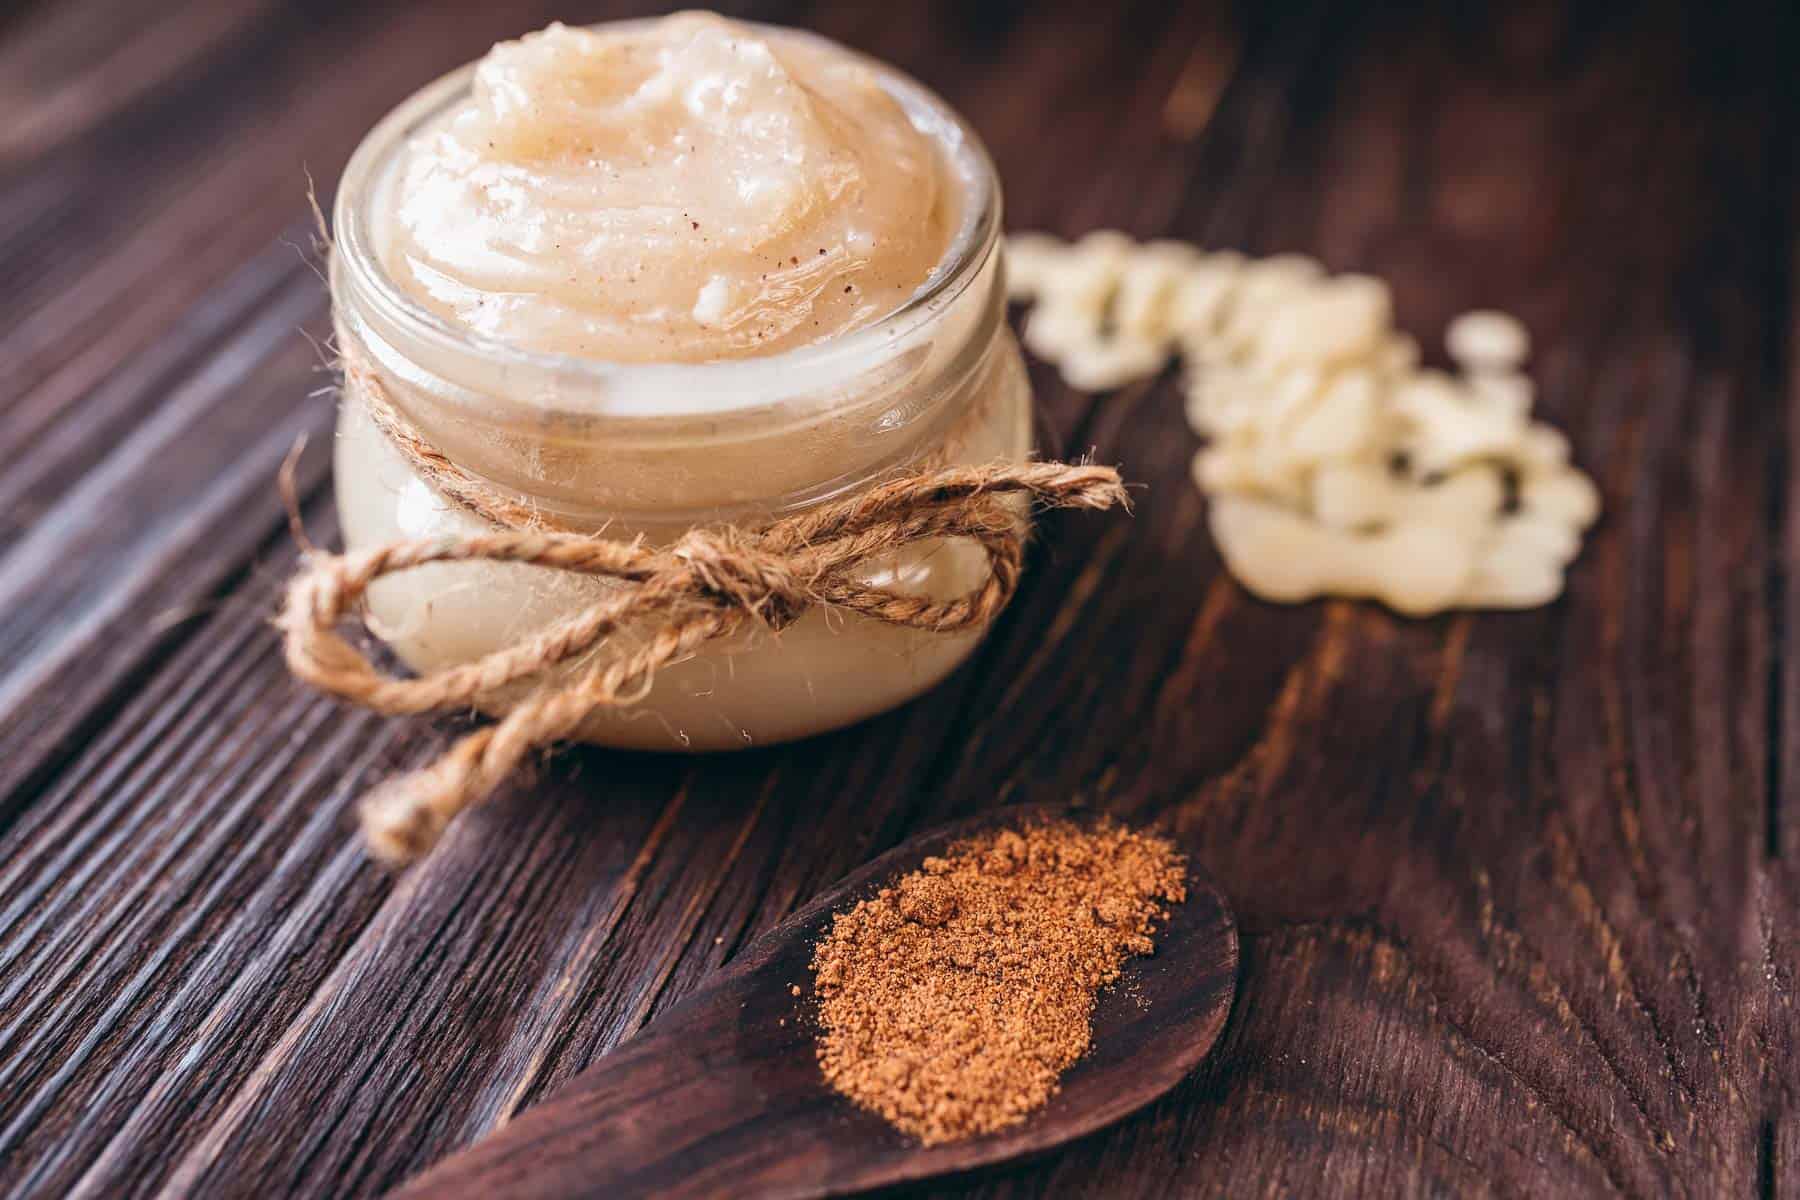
pixel 1032 260
pixel 1504 578
pixel 1487 341
pixel 1542 448
pixel 1398 355
pixel 1282 556
pixel 1339 425
pixel 1564 495
pixel 1367 495
pixel 1510 393
pixel 1142 306
pixel 1338 320
pixel 1203 294
pixel 1309 398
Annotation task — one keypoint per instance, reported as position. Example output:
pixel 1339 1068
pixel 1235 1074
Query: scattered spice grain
pixel 951 1002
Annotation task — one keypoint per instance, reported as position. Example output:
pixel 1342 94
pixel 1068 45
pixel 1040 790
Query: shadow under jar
pixel 656 449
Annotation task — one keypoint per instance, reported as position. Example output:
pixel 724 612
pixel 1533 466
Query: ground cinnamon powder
pixel 951 1001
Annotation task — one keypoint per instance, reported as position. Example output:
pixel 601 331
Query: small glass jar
pixel 654 450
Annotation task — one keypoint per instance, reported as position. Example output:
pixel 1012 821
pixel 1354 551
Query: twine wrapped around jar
pixel 709 584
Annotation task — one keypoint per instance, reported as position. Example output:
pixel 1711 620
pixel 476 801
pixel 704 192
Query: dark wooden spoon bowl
pixel 721 1095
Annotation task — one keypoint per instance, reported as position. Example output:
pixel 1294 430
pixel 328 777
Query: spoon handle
pixel 721 1096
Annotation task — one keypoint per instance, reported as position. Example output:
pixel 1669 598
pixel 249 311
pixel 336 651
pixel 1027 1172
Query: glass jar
pixel 654 450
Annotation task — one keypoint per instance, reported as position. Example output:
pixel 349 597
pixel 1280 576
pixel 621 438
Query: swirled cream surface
pixel 677 190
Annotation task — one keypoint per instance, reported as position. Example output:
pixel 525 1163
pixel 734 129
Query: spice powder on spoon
pixel 952 1001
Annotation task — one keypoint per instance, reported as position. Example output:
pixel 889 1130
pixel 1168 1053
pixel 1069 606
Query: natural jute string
pixel 709 584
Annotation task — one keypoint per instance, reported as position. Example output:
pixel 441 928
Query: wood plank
pixel 1541 885
pixel 115 571
pixel 541 1053
pixel 1776 884
pixel 77 64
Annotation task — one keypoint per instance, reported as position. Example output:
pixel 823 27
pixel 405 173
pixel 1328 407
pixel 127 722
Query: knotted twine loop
pixel 709 584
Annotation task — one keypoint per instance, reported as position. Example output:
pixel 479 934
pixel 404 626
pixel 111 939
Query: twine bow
pixel 708 585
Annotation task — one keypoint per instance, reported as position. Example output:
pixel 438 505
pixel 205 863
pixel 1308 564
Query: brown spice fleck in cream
pixel 952 1001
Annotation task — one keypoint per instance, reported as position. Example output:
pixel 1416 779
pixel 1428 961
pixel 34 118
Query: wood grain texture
pixel 1518 892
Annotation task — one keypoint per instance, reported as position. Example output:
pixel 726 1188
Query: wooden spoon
pixel 721 1095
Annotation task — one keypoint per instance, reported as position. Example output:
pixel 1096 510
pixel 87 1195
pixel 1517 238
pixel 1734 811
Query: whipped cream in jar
pixel 655 275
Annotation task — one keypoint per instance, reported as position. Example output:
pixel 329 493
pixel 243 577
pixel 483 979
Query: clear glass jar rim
pixel 975 242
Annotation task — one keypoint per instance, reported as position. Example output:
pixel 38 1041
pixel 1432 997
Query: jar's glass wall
pixel 824 671
pixel 655 450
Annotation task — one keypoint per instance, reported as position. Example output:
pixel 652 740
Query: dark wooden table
pixel 1518 892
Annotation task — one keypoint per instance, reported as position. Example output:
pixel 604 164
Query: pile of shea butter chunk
pixel 1335 464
